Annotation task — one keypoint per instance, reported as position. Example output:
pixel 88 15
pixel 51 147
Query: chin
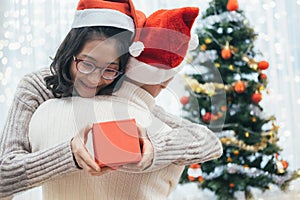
pixel 86 94
pixel 155 94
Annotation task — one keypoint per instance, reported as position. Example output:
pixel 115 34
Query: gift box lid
pixel 116 143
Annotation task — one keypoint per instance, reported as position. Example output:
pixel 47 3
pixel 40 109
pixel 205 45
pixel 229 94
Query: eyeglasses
pixel 87 67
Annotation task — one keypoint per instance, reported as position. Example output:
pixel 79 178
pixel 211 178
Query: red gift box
pixel 116 143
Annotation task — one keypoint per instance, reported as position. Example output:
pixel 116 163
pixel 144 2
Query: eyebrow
pixel 89 57
pixel 93 59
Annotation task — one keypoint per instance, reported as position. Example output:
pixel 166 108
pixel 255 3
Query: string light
pixel 25 46
pixel 16 50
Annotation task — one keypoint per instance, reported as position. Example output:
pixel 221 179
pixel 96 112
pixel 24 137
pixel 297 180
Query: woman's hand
pixel 147 152
pixel 83 157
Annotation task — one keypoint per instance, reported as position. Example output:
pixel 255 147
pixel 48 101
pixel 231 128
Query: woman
pixel 169 142
pixel 94 37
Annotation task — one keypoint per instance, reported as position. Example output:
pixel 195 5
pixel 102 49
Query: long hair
pixel 60 81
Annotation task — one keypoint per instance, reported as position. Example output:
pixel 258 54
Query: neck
pixel 133 92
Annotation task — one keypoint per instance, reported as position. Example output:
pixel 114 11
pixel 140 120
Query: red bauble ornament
pixel 223 108
pixel 256 97
pixel 262 76
pixel 239 87
pixel 226 53
pixel 207 117
pixel 191 178
pixel 184 100
pixel 232 5
pixel 195 166
pixel 285 164
pixel 200 179
pixel 263 65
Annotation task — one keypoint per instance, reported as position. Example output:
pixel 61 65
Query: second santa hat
pixel 161 45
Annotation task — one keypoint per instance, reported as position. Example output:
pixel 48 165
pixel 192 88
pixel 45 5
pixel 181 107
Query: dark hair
pixel 60 82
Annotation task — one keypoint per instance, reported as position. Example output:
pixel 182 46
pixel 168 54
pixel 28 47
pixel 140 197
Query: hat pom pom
pixel 194 42
pixel 136 48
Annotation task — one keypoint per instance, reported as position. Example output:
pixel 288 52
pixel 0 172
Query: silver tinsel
pixel 252 172
pixel 224 17
pixel 202 57
pixel 226 134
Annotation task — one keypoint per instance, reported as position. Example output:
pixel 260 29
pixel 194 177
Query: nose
pixel 94 77
pixel 164 84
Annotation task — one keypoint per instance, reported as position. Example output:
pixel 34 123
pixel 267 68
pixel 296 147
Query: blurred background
pixel 31 31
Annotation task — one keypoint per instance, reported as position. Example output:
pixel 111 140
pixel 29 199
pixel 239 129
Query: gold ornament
pixel 245 58
pixel 208 88
pixel 253 66
pixel 241 144
pixel 236 152
pixel 198 89
pixel 275 128
pixel 231 67
pixel 251 62
pixel 247 134
pixel 208 41
pixel 261 88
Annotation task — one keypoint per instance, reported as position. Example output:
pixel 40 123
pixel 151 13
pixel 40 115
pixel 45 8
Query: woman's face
pixel 101 53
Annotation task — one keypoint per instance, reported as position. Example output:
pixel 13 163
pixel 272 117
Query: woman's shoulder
pixel 36 76
pixel 33 87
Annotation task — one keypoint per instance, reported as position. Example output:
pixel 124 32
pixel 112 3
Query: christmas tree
pixel 225 89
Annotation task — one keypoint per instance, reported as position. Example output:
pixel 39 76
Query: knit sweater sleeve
pixel 21 169
pixel 185 144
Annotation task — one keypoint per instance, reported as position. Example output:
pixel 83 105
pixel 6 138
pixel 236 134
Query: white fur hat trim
pixel 147 74
pixel 102 17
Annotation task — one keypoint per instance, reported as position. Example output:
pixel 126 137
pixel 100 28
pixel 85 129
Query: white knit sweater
pixel 49 159
pixel 60 119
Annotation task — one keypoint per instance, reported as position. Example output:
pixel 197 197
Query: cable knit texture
pixel 74 114
pixel 192 143
pixel 19 168
pixel 186 144
pixel 44 156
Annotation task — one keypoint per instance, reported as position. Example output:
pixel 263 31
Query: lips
pixel 88 86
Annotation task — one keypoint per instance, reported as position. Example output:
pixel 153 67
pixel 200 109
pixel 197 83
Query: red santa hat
pixel 116 13
pixel 161 45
